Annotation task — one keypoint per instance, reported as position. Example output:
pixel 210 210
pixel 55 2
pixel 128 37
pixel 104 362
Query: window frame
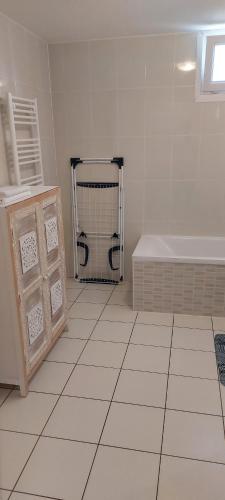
pixel 206 89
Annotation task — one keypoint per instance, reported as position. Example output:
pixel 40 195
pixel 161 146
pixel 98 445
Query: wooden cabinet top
pixel 37 192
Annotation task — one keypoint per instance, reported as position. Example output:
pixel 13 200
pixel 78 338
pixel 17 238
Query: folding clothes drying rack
pixel 98 219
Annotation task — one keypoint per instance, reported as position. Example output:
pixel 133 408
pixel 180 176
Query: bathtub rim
pixel 182 259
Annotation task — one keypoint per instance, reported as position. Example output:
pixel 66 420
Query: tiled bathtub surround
pixel 179 288
pixel 130 409
pixel 24 71
pixel 127 97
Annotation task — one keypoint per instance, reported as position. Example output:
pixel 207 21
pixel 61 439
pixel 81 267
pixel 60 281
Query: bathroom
pixel 128 399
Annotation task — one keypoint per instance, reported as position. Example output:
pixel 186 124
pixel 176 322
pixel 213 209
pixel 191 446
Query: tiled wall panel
pixel 24 71
pixel 128 97
pixel 179 288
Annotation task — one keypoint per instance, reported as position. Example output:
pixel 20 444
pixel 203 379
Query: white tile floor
pixel 127 406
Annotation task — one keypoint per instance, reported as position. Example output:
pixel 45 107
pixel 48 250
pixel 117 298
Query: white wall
pixel 24 71
pixel 127 97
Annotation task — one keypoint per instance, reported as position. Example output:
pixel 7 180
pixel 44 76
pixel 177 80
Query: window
pixel 210 85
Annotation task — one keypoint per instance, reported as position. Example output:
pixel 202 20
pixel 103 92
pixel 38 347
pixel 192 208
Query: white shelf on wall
pixel 25 142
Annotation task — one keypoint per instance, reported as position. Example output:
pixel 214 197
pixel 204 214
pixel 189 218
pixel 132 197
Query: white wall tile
pixel 45 114
pixel 187 114
pixel 103 147
pixel 141 106
pixel 134 190
pixel 130 120
pixel 212 161
pixel 49 162
pixel 133 231
pixel 156 226
pixel 210 199
pixel 75 66
pixel 160 60
pixel 44 82
pixel 56 58
pixel 32 59
pixel 6 70
pixel 213 117
pixel 185 157
pixel 24 71
pixel 157 201
pixel 59 119
pixel 158 157
pixel 19 44
pixel 131 62
pixel 77 114
pixel 158 110
pixel 133 151
pixel 102 65
pixel 185 51
pixel 183 199
pixel 103 109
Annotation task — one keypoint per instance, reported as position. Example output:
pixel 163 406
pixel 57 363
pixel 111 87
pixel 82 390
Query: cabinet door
pixel 33 314
pixel 56 296
pixel 51 221
pixel 26 246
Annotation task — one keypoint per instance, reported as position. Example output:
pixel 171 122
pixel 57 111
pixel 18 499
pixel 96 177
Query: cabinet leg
pixel 24 389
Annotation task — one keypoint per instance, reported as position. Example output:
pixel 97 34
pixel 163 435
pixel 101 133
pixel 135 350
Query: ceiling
pixel 73 20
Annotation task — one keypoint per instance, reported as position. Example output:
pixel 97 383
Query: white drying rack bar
pixel 26 151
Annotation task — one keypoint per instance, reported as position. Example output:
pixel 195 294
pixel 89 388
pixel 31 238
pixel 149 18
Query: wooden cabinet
pixel 32 284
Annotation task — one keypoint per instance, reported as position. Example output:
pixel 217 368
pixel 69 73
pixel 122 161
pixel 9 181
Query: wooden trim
pixel 19 342
pixel 33 199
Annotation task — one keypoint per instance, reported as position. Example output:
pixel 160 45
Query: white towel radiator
pixel 25 148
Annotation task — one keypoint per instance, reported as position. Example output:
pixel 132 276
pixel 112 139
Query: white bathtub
pixel 179 274
pixel 186 249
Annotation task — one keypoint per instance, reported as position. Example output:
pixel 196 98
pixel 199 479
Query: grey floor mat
pixel 220 355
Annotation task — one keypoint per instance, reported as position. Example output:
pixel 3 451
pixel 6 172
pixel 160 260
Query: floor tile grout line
pixel 107 445
pixel 133 449
pixel 73 301
pixel 88 286
pixel 24 433
pixel 120 447
pixel 89 474
pixel 96 323
pixel 120 370
pixel 144 345
pixel 130 305
pixel 77 296
pixel 33 494
pixel 136 343
pixel 193 459
pixel 131 369
pixel 92 303
pixel 165 409
pixel 105 304
pixel 99 319
pixel 117 402
pixel 40 435
pixel 220 393
pixel 110 404
pixel 58 399
pixel 203 330
pixel 7 396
